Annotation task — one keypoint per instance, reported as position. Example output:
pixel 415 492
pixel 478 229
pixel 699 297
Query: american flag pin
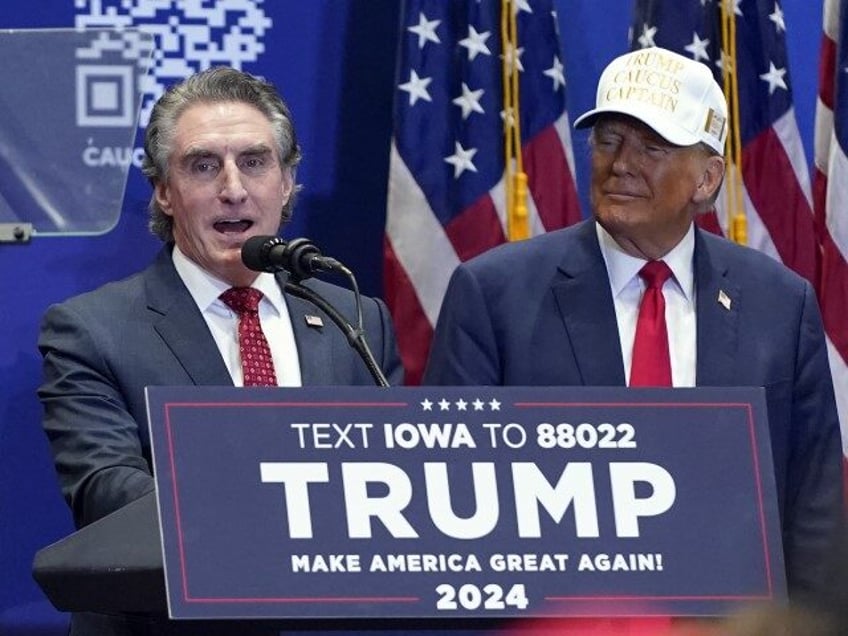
pixel 313 321
pixel 723 299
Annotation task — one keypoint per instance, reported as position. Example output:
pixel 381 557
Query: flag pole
pixel 515 178
pixel 738 226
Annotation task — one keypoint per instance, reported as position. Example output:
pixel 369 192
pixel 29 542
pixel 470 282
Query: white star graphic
pixel 647 37
pixel 444 404
pixel 475 42
pixel 461 160
pixel 777 18
pixel 513 56
pixel 494 405
pixel 698 48
pixel 736 8
pixel 417 87
pixel 774 77
pixel 555 73
pixel 461 405
pixel 427 405
pixel 469 101
pixel 523 5
pixel 478 404
pixel 425 30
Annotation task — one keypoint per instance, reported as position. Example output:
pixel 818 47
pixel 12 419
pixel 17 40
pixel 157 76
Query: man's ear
pixel 163 197
pixel 288 184
pixel 711 177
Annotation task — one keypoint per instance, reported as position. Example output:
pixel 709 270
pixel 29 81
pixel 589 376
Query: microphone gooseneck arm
pixel 302 259
pixel 355 336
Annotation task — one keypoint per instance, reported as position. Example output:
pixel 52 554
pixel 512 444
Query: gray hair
pixel 218 84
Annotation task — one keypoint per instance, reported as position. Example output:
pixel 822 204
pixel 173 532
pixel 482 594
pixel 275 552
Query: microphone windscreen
pixel 254 252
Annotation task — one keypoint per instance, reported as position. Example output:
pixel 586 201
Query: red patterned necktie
pixel 651 365
pixel 256 362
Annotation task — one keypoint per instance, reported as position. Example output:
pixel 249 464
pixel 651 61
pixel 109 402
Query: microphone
pixel 300 257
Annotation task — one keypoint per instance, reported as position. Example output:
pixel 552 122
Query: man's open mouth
pixel 233 226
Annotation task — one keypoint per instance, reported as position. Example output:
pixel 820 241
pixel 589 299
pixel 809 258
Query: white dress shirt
pixel 223 321
pixel 679 292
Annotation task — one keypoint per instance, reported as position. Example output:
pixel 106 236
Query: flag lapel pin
pixel 313 321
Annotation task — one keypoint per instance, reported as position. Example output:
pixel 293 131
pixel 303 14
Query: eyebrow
pixel 202 152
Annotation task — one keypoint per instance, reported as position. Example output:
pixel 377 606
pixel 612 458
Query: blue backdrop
pixel 334 62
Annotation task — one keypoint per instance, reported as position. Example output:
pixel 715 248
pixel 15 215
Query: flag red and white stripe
pixel 446 200
pixel 831 197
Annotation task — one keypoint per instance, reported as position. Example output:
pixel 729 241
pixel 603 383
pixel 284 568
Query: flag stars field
pixel 774 77
pixel 461 160
pixel 777 17
pixel 425 30
pixel 698 48
pixel 556 73
pixel 523 5
pixel 475 43
pixel 647 38
pixel 469 101
pixel 416 87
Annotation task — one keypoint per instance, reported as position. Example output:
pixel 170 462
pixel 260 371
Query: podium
pixel 114 564
pixel 342 506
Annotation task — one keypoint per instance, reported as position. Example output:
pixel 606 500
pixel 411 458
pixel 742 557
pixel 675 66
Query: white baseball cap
pixel 673 94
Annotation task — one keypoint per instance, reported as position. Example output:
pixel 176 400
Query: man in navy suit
pixel 221 154
pixel 561 309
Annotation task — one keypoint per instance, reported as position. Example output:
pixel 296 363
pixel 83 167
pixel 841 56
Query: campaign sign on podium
pixel 356 502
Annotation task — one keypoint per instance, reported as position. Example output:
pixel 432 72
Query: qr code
pixel 188 36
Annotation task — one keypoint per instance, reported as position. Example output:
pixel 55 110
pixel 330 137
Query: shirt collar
pixel 622 267
pixel 206 288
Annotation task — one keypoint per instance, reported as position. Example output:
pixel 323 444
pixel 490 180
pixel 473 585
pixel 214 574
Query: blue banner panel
pixel 454 502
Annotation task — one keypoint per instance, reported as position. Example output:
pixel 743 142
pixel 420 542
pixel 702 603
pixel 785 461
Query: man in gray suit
pixel 221 154
pixel 561 309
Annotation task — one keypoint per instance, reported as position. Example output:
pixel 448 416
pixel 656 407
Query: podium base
pixel 111 565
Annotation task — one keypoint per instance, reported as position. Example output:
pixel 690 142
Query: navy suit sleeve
pixel 387 352
pixel 814 480
pixel 94 439
pixel 464 349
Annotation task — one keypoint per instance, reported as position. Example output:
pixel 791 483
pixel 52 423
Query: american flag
pixel 776 182
pixel 830 188
pixel 446 180
pixel 777 195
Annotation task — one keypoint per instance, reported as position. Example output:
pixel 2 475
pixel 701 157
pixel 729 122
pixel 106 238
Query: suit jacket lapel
pixel 585 303
pixel 314 344
pixel 718 315
pixel 180 324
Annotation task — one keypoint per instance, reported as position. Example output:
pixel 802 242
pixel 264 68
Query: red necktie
pixel 651 365
pixel 256 362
